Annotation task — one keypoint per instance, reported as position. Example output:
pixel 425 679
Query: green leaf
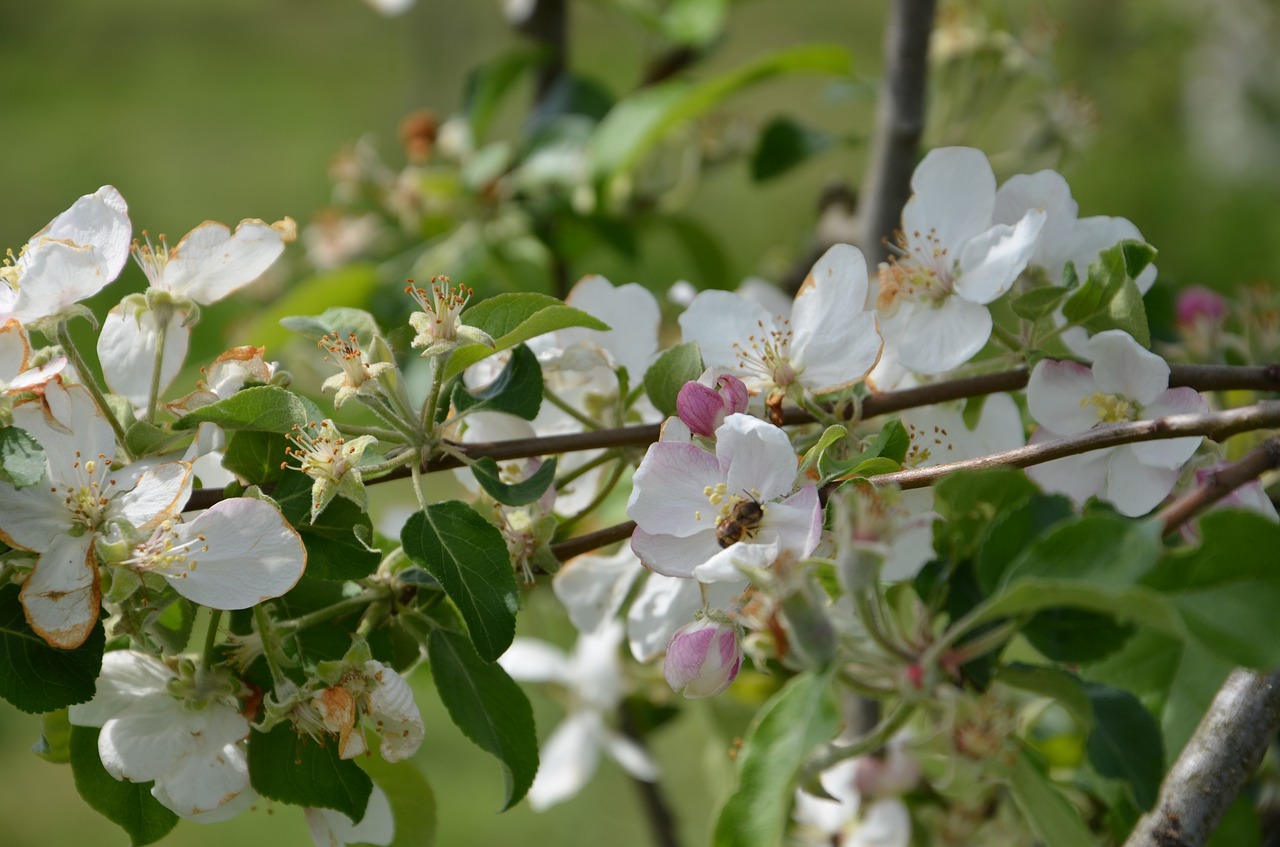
pixel 263 408
pixel 892 443
pixel 36 677
pixel 337 320
pixel 1137 604
pixel 292 768
pixel 21 458
pixel 255 456
pixel 129 805
pixel 641 120
pixel 969 501
pixel 1125 743
pixel 783 733
pixel 144 439
pixel 413 803
pixel 783 144
pixel 1063 687
pixel 874 467
pixel 1227 589
pixel 1109 298
pixel 516 391
pixel 1040 302
pixel 1240 826
pixel 1103 549
pixel 490 709
pixel 55 737
pixel 666 376
pixel 1054 820
pixel 488 474
pixel 489 83
pixel 829 436
pixel 512 319
pixel 338 541
pixel 469 558
pixel 694 23
pixel 1014 530
pixel 1137 255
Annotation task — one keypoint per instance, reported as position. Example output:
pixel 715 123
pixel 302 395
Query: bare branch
pixel 899 125
pixel 566 550
pixel 1215 425
pixel 1257 461
pixel 1213 767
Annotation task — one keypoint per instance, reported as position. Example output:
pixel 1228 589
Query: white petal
pixel 126 676
pixel 633 758
pixel 530 660
pixel 719 319
pixel 159 494
pixel 77 431
pixel 57 276
pixel 1058 395
pixel 62 594
pixel 32 518
pixel 1091 236
pixel 991 262
pixel 835 342
pixel 567 760
pixel 250 554
pixel 15 350
pixel 885 823
pixel 1045 190
pixel 1079 477
pixel 664 605
pixel 672 555
pixel 593 588
pixel 211 262
pixel 1134 488
pixel 632 312
pixel 940 338
pixel 667 489
pixel 757 457
pixel 127 351
pixel 148 739
pixel 101 221
pixel 1122 366
pixel 726 565
pixel 954 196
pixel 797 520
pixel 205 780
pixel 392 707
pixel 334 829
pixel 1174 452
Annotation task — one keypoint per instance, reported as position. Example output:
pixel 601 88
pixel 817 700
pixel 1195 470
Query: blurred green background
pixel 223 110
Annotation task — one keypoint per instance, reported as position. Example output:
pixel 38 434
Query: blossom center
pixel 442 306
pixel 922 273
pixel 166 553
pixel 324 454
pixel 768 354
pixel 738 517
pixel 89 498
pixel 152 258
pixel 1112 408
pixel 347 353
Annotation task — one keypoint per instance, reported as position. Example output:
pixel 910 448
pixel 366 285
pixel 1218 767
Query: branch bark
pixel 886 186
pixel 1221 483
pixel 1215 764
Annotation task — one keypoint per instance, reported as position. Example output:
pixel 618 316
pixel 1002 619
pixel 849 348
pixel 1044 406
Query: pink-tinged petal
pixel 1175 452
pixel 530 660
pixel 211 262
pixel 15 350
pixel 394 712
pixel 728 564
pixel 127 351
pixel 593 588
pixel 1135 488
pixel 62 595
pixel 702 658
pixel 1058 396
pixel 666 603
pixel 629 755
pixel 630 310
pixel 244 552
pixel 1079 477
pixel 756 457
pixel 836 341
pixel 334 829
pixel 159 494
pixel 33 518
pixel 1122 366
pixel 667 492
pixel 676 556
pixel 700 408
pixel 991 262
pixel 719 319
pixel 567 760
pixel 126 676
pixel 797 520
pixel 954 192
pixel 71 430
pixel 940 338
pixel 99 220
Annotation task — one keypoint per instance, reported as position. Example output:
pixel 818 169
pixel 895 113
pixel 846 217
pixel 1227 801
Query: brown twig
pixel 1256 462
pixel 1215 425
pixel 1213 767
pixel 566 550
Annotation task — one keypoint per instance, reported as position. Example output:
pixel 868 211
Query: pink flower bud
pixel 1198 304
pixel 703 404
pixel 702 658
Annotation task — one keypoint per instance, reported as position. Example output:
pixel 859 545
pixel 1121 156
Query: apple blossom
pixel 82 495
pixel 702 658
pixel 1126 383
pixel 703 515
pixel 954 260
pixel 704 403
pixel 181 730
pixel 828 343
pixel 332 461
pixel 593 680
pixel 77 254
pixel 358 374
pixel 17 372
pixel 439 326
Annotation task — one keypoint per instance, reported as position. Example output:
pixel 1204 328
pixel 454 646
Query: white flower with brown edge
pixel 332 461
pixel 74 257
pixel 234 555
pixel 183 730
pixel 358 686
pixel 18 371
pixel 439 325
pixel 359 375
pixel 82 495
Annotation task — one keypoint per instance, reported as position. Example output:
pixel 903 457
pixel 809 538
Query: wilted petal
pixel 158 495
pixel 396 715
pixel 61 595
pixel 204 780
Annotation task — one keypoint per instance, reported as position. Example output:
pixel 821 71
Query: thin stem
pixel 1222 482
pixel 559 402
pixel 585 467
pixel 873 740
pixel 1007 338
pixel 601 496
pixel 210 639
pixel 378 432
pixel 566 550
pixel 379 406
pixel 415 468
pixel 90 384
pixel 268 643
pixel 162 317
pixel 328 612
pixel 427 417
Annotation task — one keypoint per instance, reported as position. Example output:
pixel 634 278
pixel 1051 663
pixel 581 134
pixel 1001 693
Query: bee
pixel 742 522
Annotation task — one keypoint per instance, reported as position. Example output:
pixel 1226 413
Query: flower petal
pixel 127 351
pixel 632 312
pixel 1058 395
pixel 1135 488
pixel 727 564
pixel 757 458
pixel 1079 477
pixel 633 758
pixel 593 588
pixel 940 338
pixel 211 262
pixel 159 494
pixel 530 660
pixel 667 491
pixel 991 262
pixel 334 829
pixel 392 707
pixel 62 594
pixel 836 341
pixel 954 192
pixel 1122 366
pixel 1174 452
pixel 672 555
pixel 126 676
pixel 718 320
pixel 567 760
pixel 205 780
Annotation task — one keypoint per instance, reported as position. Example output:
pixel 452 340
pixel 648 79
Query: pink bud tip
pixel 702 658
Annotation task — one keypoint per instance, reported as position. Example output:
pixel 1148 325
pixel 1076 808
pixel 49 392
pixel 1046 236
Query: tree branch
pixel 1257 461
pixel 1225 750
pixel 566 550
pixel 886 186
pixel 1215 425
